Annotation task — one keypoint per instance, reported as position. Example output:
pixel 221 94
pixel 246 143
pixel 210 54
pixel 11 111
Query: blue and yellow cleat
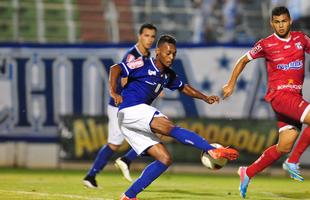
pixel 293 170
pixel 244 181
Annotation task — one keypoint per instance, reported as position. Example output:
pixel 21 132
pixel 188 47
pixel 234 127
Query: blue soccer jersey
pixel 145 81
pixel 132 54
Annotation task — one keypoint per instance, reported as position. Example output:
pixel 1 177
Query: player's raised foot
pixel 119 163
pixel 224 152
pixel 124 197
pixel 244 181
pixel 293 170
pixel 90 182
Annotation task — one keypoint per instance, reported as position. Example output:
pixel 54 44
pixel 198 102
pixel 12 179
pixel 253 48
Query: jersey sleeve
pixel 307 44
pixel 175 82
pixel 257 51
pixel 129 67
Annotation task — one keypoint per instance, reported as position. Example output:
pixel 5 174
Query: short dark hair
pixel 148 26
pixel 166 38
pixel 277 11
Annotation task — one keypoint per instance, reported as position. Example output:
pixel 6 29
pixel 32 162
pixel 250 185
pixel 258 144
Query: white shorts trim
pixel 135 122
pixel 115 135
pixel 287 127
pixel 304 114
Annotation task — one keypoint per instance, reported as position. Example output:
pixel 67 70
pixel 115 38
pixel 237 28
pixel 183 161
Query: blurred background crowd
pixel 117 21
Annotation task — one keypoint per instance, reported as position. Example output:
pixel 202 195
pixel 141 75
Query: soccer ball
pixel 212 163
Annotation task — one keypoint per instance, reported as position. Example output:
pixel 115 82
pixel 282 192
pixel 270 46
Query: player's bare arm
pixel 115 72
pixel 239 66
pixel 190 91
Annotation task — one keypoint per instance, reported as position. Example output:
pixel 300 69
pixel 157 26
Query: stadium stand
pixel 92 25
pixel 79 21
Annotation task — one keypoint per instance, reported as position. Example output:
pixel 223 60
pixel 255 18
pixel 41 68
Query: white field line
pixel 69 196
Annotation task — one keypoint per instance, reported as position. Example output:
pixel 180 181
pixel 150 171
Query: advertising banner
pixel 82 137
pixel 41 83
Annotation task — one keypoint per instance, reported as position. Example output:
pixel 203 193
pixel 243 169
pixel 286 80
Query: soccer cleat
pixel 90 182
pixel 124 168
pixel 244 181
pixel 124 197
pixel 293 170
pixel 224 152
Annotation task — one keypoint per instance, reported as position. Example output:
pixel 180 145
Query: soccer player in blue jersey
pixel 146 38
pixel 139 121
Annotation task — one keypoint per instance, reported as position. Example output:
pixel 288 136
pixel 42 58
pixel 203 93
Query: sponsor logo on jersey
pixel 256 49
pixel 278 59
pixel 301 103
pixel 289 86
pixel 135 63
pixel 151 72
pixel 298 45
pixel 287 46
pixel 290 81
pixel 295 65
pixel 273 44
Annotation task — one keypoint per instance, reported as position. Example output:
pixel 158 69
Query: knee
pixel 169 128
pixel 307 119
pixel 284 149
pixel 166 160
pixel 114 147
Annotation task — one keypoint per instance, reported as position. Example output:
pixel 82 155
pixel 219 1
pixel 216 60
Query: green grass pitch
pixel 25 184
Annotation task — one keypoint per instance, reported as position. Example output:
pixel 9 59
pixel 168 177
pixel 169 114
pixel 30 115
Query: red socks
pixel 269 156
pixel 301 146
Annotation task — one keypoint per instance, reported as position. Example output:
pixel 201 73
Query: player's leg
pixel 152 171
pixel 102 158
pixel 286 140
pixel 305 117
pixel 164 126
pixel 291 165
pixel 300 147
pixel 123 163
pixel 137 131
pixel 115 139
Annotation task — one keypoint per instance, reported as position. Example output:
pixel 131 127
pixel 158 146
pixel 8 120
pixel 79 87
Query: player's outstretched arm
pixel 239 66
pixel 190 91
pixel 115 72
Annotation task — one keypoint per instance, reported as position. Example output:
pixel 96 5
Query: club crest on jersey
pixel 295 65
pixel 135 63
pixel 151 72
pixel 298 45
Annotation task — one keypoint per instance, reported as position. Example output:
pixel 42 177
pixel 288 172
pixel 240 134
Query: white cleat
pixel 124 168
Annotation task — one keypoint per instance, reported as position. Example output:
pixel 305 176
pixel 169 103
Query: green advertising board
pixel 82 137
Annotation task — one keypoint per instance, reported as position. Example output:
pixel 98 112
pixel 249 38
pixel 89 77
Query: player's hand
pixel 118 99
pixel 227 90
pixel 212 99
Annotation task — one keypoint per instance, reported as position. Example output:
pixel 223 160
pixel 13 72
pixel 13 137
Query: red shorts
pixel 290 108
